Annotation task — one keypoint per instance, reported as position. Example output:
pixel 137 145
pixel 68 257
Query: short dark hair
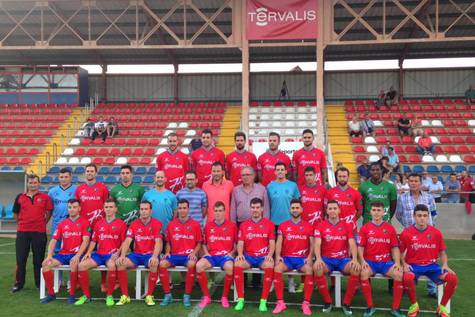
pixel 421 207
pixel 342 169
pixel 274 134
pixel 256 200
pixel 191 172
pixel 240 133
pixel 92 165
pixel 377 163
pixel 415 175
pixel 295 201
pixel 279 164
pixel 219 204
pixel 111 200
pixel 184 201
pixel 307 131
pixel 207 131
pixel 217 163
pixel 310 169
pixel 65 170
pixel 73 200
pixel 453 174
pixel 332 201
pixel 127 166
pixel 377 204
pixel 33 176
pixel 391 148
pixel 147 203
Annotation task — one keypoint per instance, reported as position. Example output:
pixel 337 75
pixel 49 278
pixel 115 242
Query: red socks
pixel 111 278
pixel 83 277
pixel 410 287
pixel 165 279
pixel 279 285
pixel 103 277
pixel 74 283
pixel 322 285
pixel 152 282
pixel 203 281
pixel 228 281
pixel 48 276
pixel 123 282
pixel 353 284
pixel 367 293
pixel 307 288
pixel 398 290
pixel 190 280
pixel 239 280
pixel 268 277
pixel 451 282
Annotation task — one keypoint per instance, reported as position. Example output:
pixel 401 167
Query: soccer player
pixel 309 155
pixel 205 156
pixel 266 162
pixel 127 195
pixel 313 198
pixel 219 245
pixel 174 163
pixel 108 235
pixel 146 234
pixel 378 189
pixel 294 251
pixel 378 251
pixel 421 246
pixel 238 159
pixel 74 233
pixel 92 195
pixel 255 249
pixel 183 236
pixel 348 198
pixel 333 239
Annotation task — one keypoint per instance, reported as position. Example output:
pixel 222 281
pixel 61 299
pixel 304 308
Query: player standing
pixel 174 163
pixel 313 198
pixel 309 155
pixel 203 158
pixel 238 159
pixel 294 251
pixel 266 162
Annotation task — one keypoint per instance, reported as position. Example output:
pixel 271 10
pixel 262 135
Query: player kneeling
pixel 294 251
pixel 255 248
pixel 219 245
pixel 379 253
pixel 183 236
pixel 108 235
pixel 422 245
pixel 145 232
pixel 74 234
pixel 333 239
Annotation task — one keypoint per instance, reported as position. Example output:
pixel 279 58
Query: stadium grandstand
pixel 48 101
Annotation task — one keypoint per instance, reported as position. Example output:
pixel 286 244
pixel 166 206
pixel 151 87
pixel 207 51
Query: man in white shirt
pixel 100 129
pixel 354 127
pixel 436 188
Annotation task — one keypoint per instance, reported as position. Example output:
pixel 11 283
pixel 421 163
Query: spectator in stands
pixel 392 97
pixel 363 170
pixel 384 149
pixel 393 160
pixel 381 99
pixel 100 129
pixel 467 186
pixel 354 127
pixel 384 161
pixel 401 183
pixel 416 128
pixel 425 145
pixel 470 95
pixel 436 188
pixel 112 128
pixel 452 187
pixel 426 180
pixel 88 128
pixel 367 125
pixel 404 125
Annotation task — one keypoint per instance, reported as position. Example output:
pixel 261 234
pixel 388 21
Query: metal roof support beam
pixel 463 13
pixel 17 24
pixel 160 22
pixel 358 17
pixel 64 23
pixel 209 21
pixel 113 23
pixel 410 15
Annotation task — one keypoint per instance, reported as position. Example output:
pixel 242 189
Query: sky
pixel 280 67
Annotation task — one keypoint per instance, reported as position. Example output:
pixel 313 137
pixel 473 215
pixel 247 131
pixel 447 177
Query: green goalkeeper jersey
pixel 384 192
pixel 128 201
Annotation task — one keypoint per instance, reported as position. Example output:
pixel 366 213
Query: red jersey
pixel 109 235
pixel 175 166
pixel 31 211
pixel 303 158
pixel 144 235
pixel 378 241
pixel 256 236
pixel 266 165
pixel 422 247
pixel 295 238
pixel 71 233
pixel 92 199
pixel 220 239
pixel 313 203
pixel 349 201
pixel 183 236
pixel 202 161
pixel 235 161
pixel 466 184
pixel 334 239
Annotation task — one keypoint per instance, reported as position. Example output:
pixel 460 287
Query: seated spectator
pixel 425 181
pixel 436 188
pixel 354 127
pixel 416 128
pixel 363 171
pixel 452 187
pixel 367 125
pixel 100 129
pixel 404 125
pixel 470 95
pixel 391 97
pixel 384 161
pixel 381 99
pixel 88 128
pixel 393 160
pixel 425 145
pixel 384 149
pixel 112 127
pixel 401 183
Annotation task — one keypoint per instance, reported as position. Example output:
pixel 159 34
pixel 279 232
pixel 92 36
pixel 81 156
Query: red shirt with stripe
pixel 109 235
pixel 202 160
pixel 422 246
pixel 313 203
pixel 31 211
pixel 183 236
pixel 235 161
pixel 303 159
pixel 295 238
pixel 144 235
pixel 92 199
pixel 378 241
pixel 256 236
pixel 334 238
pixel 71 233
pixel 266 165
pixel 174 166
pixel 220 239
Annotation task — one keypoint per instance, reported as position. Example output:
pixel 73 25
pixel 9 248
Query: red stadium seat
pixel 126 152
pixel 25 161
pixel 445 140
pixel 395 140
pixel 91 151
pixel 359 149
pixel 402 159
pixel 133 161
pixel 115 151
pixel 414 159
pixel 109 161
pixel 450 149
pixel 469 159
pixel 98 160
pixel 458 140
pixel 463 149
pixel 145 161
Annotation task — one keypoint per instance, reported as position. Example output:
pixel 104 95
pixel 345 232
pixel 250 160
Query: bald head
pixel 160 179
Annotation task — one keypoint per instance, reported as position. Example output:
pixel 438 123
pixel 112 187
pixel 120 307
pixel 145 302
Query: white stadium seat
pixel 186 141
pixel 68 151
pixel 184 150
pixel 190 133
pixel 427 159
pixel 121 161
pixel 160 150
pixel 163 141
pixel 84 161
pixel 437 123
pixel 372 149
pixel 183 125
pixel 62 161
pixel 455 159
pixel 172 125
pixel 373 158
pixel 369 140
pixel 441 159
pixel 75 141
pixel 73 160
pixel 471 123
pixel 435 139
pixel 377 123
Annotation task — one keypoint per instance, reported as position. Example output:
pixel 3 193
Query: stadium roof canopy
pixel 212 31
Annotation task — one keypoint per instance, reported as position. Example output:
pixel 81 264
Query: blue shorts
pixel 100 259
pixel 380 267
pixel 178 260
pixel 293 263
pixel 336 264
pixel 218 260
pixel 139 259
pixel 255 261
pixel 64 259
pixel 432 271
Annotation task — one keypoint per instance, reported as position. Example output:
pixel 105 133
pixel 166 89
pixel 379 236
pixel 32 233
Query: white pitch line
pixel 5 253
pixel 455 259
pixel 6 244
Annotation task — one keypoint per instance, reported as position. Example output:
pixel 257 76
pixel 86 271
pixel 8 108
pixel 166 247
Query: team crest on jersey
pixel 113 228
pixel 39 200
pixel 149 228
pixel 261 227
pixel 66 227
pixel 301 228
pixel 188 228
pixel 225 229
pixel 340 229
pixel 429 236
pixel 95 189
pixel 212 230
pixel 385 231
pixel 348 195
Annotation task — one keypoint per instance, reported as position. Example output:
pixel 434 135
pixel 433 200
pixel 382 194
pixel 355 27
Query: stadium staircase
pixel 231 124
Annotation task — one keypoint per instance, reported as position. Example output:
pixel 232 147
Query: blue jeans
pixel 422 150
